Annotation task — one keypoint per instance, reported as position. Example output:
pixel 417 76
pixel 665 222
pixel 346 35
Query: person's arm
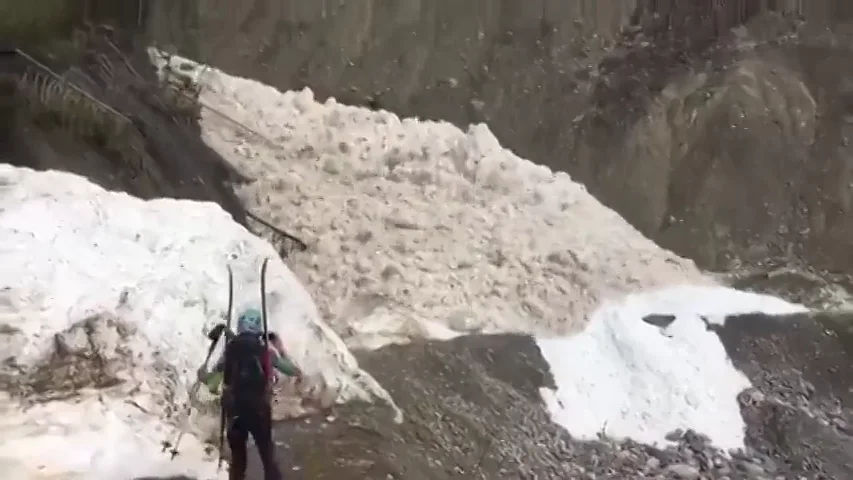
pixel 205 375
pixel 285 366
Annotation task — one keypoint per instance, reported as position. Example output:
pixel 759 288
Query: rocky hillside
pixel 720 129
pixel 78 93
pixel 91 103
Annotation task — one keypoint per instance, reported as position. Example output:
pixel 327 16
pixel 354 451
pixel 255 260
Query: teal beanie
pixel 250 321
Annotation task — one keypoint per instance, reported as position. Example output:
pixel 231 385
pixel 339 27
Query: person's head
pixel 250 321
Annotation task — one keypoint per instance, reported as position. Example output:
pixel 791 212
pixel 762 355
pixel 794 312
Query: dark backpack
pixel 246 370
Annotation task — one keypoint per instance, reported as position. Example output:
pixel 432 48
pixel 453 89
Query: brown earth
pixel 719 129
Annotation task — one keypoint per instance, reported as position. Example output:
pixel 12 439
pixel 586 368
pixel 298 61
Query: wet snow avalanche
pixel 421 229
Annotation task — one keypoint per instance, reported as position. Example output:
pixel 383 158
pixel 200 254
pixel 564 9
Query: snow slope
pixel 421 229
pixel 627 378
pixel 108 296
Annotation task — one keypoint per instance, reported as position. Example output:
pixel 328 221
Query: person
pixel 245 370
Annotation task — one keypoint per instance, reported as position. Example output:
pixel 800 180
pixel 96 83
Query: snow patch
pixel 91 439
pixel 439 231
pixel 103 308
pixel 627 378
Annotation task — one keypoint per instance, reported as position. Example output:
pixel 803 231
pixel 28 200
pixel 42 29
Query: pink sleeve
pixel 267 365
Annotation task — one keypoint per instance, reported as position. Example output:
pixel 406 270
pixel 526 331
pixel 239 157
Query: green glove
pixel 213 382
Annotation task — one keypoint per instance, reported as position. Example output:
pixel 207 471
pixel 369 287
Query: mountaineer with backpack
pixel 213 379
pixel 246 370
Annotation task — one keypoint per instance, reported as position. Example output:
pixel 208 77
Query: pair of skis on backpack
pixel 214 336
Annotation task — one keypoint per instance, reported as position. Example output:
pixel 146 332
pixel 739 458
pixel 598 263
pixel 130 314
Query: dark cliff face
pixel 720 129
pixel 78 93
pixel 740 152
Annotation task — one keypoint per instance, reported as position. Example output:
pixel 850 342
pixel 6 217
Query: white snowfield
pixel 418 228
pixel 134 283
pixel 629 379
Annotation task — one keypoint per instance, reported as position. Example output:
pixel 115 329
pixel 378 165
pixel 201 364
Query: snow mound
pixel 628 378
pixel 421 229
pixel 103 308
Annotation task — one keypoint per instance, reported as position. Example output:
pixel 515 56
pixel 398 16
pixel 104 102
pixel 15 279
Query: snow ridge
pixel 91 273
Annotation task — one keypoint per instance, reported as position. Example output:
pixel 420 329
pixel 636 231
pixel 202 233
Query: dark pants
pixel 253 419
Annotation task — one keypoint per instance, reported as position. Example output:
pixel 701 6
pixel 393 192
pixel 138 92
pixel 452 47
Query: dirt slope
pixel 743 155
